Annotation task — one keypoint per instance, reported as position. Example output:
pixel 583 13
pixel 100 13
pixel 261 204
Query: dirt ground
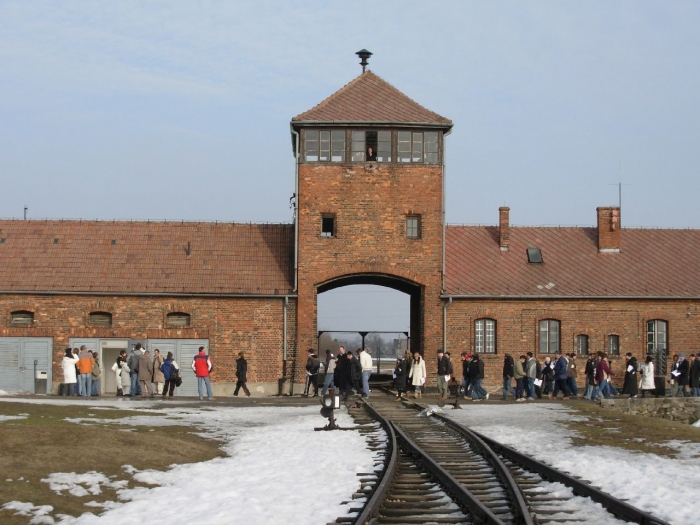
pixel 44 442
pixel 615 429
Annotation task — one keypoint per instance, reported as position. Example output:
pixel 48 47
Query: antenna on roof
pixel 364 55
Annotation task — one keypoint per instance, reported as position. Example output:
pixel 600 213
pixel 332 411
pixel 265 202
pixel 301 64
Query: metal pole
pixel 35 365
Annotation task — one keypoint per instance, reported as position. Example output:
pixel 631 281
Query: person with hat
pixel 444 371
pixel 312 367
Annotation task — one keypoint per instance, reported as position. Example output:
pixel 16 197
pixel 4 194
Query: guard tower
pixel 370 202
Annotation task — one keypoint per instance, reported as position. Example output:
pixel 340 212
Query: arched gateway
pixel 370 203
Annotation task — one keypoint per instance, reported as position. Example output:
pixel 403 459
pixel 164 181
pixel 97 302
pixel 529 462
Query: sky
pixel 180 110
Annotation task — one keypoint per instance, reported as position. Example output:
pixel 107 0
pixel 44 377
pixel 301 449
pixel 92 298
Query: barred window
pixel 178 319
pixel 549 336
pixel 100 319
pixel 613 344
pixel 22 317
pixel 485 336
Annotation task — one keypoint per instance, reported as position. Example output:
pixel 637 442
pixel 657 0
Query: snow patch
pixel 81 484
pixel 10 418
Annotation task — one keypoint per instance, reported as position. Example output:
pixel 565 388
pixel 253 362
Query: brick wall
pixel 370 202
pixel 230 324
pixel 517 325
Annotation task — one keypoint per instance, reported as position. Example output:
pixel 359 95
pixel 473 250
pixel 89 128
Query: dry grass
pixel 43 443
pixel 615 429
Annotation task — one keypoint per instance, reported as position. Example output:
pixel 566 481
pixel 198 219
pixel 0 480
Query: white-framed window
pixel 485 336
pixel 657 336
pixel 613 345
pixel 550 330
pixel 582 344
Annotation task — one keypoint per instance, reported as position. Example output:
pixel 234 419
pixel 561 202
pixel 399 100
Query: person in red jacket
pixel 602 375
pixel 201 365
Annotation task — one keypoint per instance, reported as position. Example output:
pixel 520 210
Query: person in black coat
pixel 340 374
pixel 354 374
pixel 400 375
pixel 682 379
pixel 313 365
pixel 241 373
pixel 630 385
pixel 695 376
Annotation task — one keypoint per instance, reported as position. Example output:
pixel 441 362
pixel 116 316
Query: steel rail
pixel 369 513
pixel 456 490
pixel 520 507
pixel 612 504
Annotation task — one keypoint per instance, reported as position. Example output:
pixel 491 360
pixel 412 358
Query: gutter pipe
pixel 444 224
pixel 444 322
pixel 296 206
pixel 572 297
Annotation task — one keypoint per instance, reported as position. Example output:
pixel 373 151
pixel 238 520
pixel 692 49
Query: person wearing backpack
pixel 171 373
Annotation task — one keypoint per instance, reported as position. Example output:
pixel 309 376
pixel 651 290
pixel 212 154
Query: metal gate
pixel 21 359
pixel 183 351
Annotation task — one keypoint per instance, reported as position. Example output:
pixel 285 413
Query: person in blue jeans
pixel 366 365
pixel 508 373
pixel 602 375
pixel 201 366
pixel 133 364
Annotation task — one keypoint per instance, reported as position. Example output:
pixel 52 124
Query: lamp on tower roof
pixel 364 55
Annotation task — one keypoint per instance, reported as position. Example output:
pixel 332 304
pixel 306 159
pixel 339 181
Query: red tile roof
pixel 369 99
pixel 147 257
pixel 651 263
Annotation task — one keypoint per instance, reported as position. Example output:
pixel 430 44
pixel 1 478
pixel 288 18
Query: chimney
pixel 504 228
pixel 609 229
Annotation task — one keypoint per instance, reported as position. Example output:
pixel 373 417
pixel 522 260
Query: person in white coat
pixel 121 373
pixel 417 374
pixel 69 377
pixel 647 382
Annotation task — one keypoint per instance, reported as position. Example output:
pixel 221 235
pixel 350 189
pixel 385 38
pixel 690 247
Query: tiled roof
pixel 651 263
pixel 147 257
pixel 369 99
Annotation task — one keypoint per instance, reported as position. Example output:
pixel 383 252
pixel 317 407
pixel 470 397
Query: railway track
pixel 433 470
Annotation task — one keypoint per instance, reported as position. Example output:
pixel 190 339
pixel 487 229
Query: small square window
pixel 328 226
pixel 413 226
pixel 534 255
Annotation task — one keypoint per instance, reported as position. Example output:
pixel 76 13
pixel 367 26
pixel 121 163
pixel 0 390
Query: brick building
pixel 369 209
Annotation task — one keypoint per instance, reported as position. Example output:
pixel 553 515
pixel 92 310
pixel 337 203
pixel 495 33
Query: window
pixel 22 317
pixel 613 345
pixel 418 147
pixel 371 146
pixel 413 226
pixel 178 319
pixel 100 319
pixel 657 336
pixel 549 336
pixel 328 225
pixel 324 146
pixel 485 336
pixel 534 255
pixel 582 344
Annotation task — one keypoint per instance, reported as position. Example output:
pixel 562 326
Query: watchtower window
pixel 324 146
pixel 371 146
pixel 418 147
pixel 328 225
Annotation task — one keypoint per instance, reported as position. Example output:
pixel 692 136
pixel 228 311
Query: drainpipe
pixel 444 322
pixel 296 206
pixel 444 226
pixel 284 325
